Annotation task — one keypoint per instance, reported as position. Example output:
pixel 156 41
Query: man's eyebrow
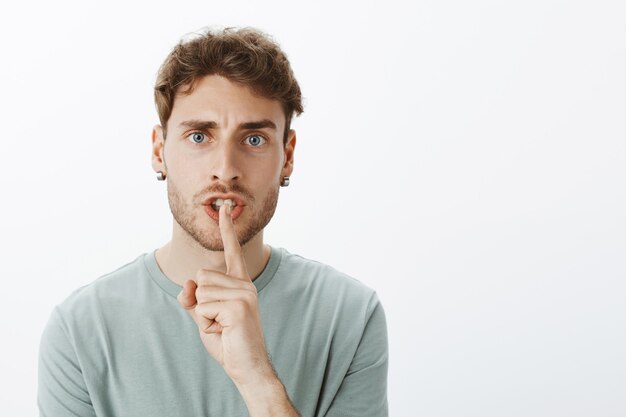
pixel 198 124
pixel 209 124
pixel 261 124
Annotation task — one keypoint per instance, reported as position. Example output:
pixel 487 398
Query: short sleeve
pixel 363 392
pixel 61 387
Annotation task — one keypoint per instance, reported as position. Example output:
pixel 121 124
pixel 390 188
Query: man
pixel 217 323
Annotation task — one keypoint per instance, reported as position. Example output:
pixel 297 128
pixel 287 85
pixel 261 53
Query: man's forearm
pixel 268 399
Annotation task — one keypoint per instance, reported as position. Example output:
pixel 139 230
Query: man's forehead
pixel 217 99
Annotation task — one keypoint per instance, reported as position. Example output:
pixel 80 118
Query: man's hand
pixel 225 308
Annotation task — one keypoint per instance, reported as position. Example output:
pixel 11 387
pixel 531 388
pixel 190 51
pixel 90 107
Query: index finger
pixel 233 254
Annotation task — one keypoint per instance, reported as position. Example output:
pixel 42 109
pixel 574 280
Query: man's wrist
pixel 267 397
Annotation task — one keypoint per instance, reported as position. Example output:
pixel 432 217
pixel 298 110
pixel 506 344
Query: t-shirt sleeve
pixel 363 392
pixel 61 387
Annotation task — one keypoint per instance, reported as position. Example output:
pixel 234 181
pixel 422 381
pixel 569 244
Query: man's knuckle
pixel 204 276
pixel 199 309
pixel 250 287
pixel 249 298
pixel 241 306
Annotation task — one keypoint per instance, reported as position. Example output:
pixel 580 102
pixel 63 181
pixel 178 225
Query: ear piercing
pixel 161 177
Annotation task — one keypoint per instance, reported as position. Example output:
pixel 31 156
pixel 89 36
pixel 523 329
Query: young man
pixel 217 323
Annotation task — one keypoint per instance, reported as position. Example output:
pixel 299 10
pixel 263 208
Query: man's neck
pixel 182 257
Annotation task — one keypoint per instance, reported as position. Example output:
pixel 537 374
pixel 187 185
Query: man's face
pixel 223 141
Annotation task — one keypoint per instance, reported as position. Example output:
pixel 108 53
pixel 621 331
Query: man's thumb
pixel 187 297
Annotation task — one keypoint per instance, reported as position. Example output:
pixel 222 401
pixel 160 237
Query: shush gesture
pixel 225 308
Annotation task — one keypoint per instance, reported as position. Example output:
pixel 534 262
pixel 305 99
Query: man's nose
pixel 225 164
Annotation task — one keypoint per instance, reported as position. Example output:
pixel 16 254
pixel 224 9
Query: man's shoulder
pixel 117 283
pixel 317 276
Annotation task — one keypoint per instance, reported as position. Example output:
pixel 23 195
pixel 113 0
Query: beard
pixel 186 215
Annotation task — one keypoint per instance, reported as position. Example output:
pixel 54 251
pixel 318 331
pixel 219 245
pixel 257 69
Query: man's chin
pixel 212 239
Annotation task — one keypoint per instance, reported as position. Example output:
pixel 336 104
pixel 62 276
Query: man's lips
pixel 236 198
pixel 235 211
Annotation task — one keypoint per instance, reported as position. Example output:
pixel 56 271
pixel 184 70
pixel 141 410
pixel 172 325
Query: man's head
pixel 225 101
pixel 246 56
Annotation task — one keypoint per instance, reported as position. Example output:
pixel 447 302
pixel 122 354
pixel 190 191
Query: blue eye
pixel 255 140
pixel 197 137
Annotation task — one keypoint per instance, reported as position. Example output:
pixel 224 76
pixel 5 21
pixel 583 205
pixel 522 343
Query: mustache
pixel 234 188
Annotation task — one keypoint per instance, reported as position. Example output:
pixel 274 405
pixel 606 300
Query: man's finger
pixel 187 299
pixel 213 328
pixel 226 313
pixel 209 294
pixel 209 277
pixel 235 262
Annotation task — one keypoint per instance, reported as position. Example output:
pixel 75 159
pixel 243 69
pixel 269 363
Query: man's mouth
pixel 219 203
pixel 212 207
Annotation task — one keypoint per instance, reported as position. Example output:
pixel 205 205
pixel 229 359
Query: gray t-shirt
pixel 123 346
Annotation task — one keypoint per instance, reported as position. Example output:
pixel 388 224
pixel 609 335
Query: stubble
pixel 205 231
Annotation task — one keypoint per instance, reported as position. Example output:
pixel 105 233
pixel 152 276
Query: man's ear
pixel 158 149
pixel 289 149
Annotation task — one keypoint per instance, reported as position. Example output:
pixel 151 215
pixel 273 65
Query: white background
pixel 467 159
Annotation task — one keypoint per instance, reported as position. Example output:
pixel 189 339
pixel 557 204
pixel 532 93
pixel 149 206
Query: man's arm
pixel 268 398
pixel 61 387
pixel 225 308
pixel 363 391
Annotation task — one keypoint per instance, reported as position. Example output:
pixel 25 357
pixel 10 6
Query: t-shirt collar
pixel 174 289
